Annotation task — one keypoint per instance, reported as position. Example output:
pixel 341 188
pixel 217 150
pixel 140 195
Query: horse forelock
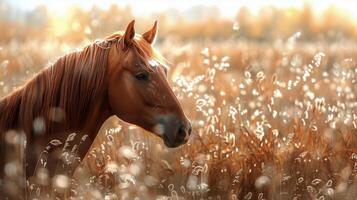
pixel 145 50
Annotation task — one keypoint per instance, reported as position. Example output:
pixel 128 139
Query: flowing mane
pixel 73 81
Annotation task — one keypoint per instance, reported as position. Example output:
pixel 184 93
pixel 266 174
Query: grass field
pixel 279 123
pixel 272 119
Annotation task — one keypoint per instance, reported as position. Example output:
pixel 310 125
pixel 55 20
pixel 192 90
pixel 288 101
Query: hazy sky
pixel 227 8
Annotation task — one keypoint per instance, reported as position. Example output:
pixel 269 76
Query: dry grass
pixel 284 129
pixel 271 121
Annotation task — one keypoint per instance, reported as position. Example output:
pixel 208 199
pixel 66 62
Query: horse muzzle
pixel 174 131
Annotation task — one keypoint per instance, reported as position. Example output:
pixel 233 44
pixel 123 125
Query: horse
pixel 122 75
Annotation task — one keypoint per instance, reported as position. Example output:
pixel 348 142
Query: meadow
pixel 278 124
pixel 272 119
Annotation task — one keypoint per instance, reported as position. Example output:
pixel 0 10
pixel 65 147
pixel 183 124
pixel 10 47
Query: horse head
pixel 138 89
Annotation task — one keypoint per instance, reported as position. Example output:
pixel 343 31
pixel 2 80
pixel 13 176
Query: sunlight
pixel 227 9
pixel 258 101
pixel 59 25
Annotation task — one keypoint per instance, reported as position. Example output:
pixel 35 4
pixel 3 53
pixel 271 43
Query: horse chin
pixel 173 144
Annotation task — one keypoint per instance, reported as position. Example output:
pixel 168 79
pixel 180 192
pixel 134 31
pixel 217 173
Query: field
pixel 279 124
pixel 272 119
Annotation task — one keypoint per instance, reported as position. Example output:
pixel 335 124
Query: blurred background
pixel 57 27
pixel 270 87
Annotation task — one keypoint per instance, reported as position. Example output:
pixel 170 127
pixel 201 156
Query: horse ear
pixel 128 36
pixel 150 36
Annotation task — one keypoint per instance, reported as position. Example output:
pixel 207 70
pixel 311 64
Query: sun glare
pixel 59 25
pixel 227 8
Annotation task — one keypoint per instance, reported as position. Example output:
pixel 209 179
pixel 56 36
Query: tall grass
pixel 281 125
pixel 271 121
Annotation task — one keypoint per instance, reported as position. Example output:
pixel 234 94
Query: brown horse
pixel 122 75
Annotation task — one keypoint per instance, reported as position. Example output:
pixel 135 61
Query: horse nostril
pixel 181 131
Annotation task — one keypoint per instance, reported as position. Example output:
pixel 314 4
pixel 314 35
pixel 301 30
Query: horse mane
pixel 73 84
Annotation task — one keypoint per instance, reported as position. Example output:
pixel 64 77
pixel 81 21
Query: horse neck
pixel 15 110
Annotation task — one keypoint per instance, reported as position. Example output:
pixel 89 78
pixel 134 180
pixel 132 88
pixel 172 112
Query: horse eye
pixel 142 76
